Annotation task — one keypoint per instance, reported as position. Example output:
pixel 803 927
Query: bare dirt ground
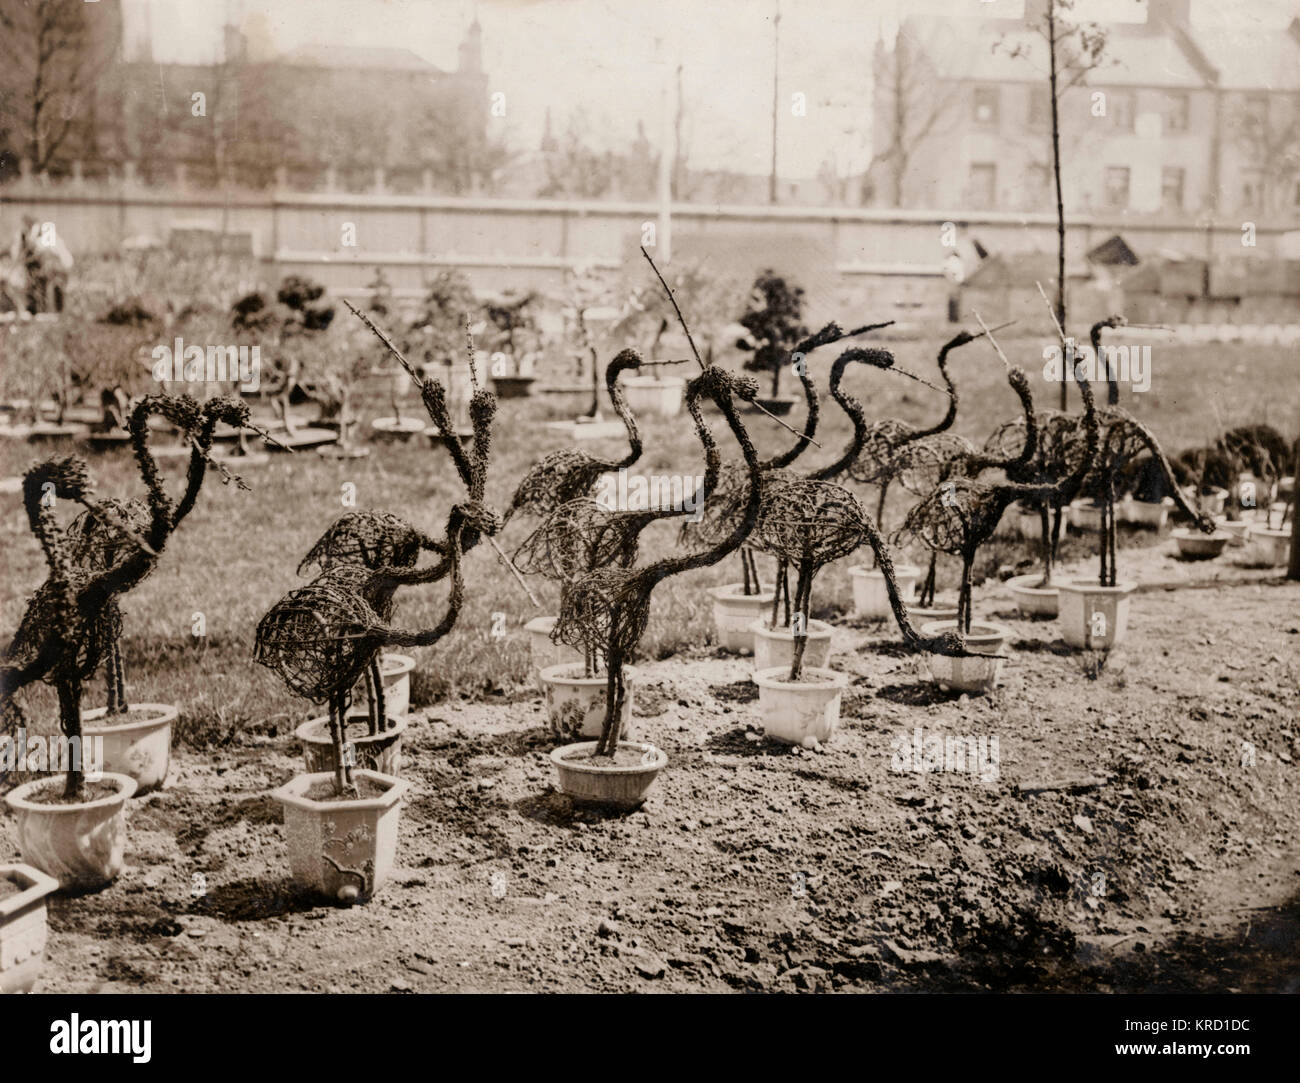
pixel 758 867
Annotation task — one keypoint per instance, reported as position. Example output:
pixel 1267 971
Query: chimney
pixel 1169 12
pixel 1036 12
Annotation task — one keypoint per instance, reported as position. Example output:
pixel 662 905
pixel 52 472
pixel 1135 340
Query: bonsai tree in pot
pixel 515 345
pixel 774 321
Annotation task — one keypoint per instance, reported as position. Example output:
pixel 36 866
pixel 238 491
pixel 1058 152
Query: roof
pixel 1242 57
pixel 1251 57
pixel 349 56
pixel 1008 51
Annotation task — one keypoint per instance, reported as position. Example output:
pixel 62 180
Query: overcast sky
pixel 611 59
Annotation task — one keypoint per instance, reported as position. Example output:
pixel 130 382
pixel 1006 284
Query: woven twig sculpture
pixel 963 512
pixel 97 546
pixel 612 605
pixel 73 618
pixel 1123 438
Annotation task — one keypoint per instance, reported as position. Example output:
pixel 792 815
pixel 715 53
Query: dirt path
pixel 759 867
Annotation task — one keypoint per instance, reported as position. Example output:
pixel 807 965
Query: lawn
pixel 237 553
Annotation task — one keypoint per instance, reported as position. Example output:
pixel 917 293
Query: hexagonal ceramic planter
pixel 1238 530
pixel 800 712
pixel 139 745
pixel 1093 617
pixel 774 648
pixel 342 850
pixel 22 927
pixel 80 845
pixel 734 613
pixel 381 752
pixel 870 594
pixel 986 641
pixel 1267 548
pixel 543 652
pixel 575 705
pixel 620 787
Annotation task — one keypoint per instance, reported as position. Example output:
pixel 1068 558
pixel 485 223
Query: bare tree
pixel 52 60
pixel 1268 134
pixel 1073 50
pixel 916 99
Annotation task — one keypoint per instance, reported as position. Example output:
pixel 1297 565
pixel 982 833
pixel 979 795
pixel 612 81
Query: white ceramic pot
pixel 342 850
pixel 140 745
pixel 1033 600
pixel 1237 530
pixel 986 639
pixel 1094 617
pixel 775 648
pixel 1144 512
pixel 395 673
pixel 22 927
pixel 660 395
pixel 802 712
pixel 871 595
pixel 977 673
pixel 1085 515
pixel 1194 545
pixel 575 705
pixel 1267 548
pixel 381 752
pixel 543 652
pixel 80 845
pixel 584 780
pixel 734 613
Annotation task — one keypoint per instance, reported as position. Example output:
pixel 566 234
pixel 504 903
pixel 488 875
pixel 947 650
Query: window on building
pixel 1115 181
pixel 1123 109
pixel 1177 110
pixel 1252 189
pixel 1255 114
pixel 1171 188
pixel 1039 186
pixel 983 185
pixel 985 105
pixel 1040 107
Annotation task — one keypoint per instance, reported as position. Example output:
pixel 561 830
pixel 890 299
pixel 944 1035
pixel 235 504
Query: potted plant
pixel 1094 614
pixel 341 824
pixel 136 737
pixel 774 321
pixel 963 512
pixel 22 925
pixel 73 829
pixel 610 606
pixel 514 347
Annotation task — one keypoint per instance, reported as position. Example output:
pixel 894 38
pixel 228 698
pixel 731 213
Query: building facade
pixel 1170 120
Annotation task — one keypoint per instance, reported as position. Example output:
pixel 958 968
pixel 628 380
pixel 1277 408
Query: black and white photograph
pixel 785 497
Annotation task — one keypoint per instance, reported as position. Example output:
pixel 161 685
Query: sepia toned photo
pixel 600 496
